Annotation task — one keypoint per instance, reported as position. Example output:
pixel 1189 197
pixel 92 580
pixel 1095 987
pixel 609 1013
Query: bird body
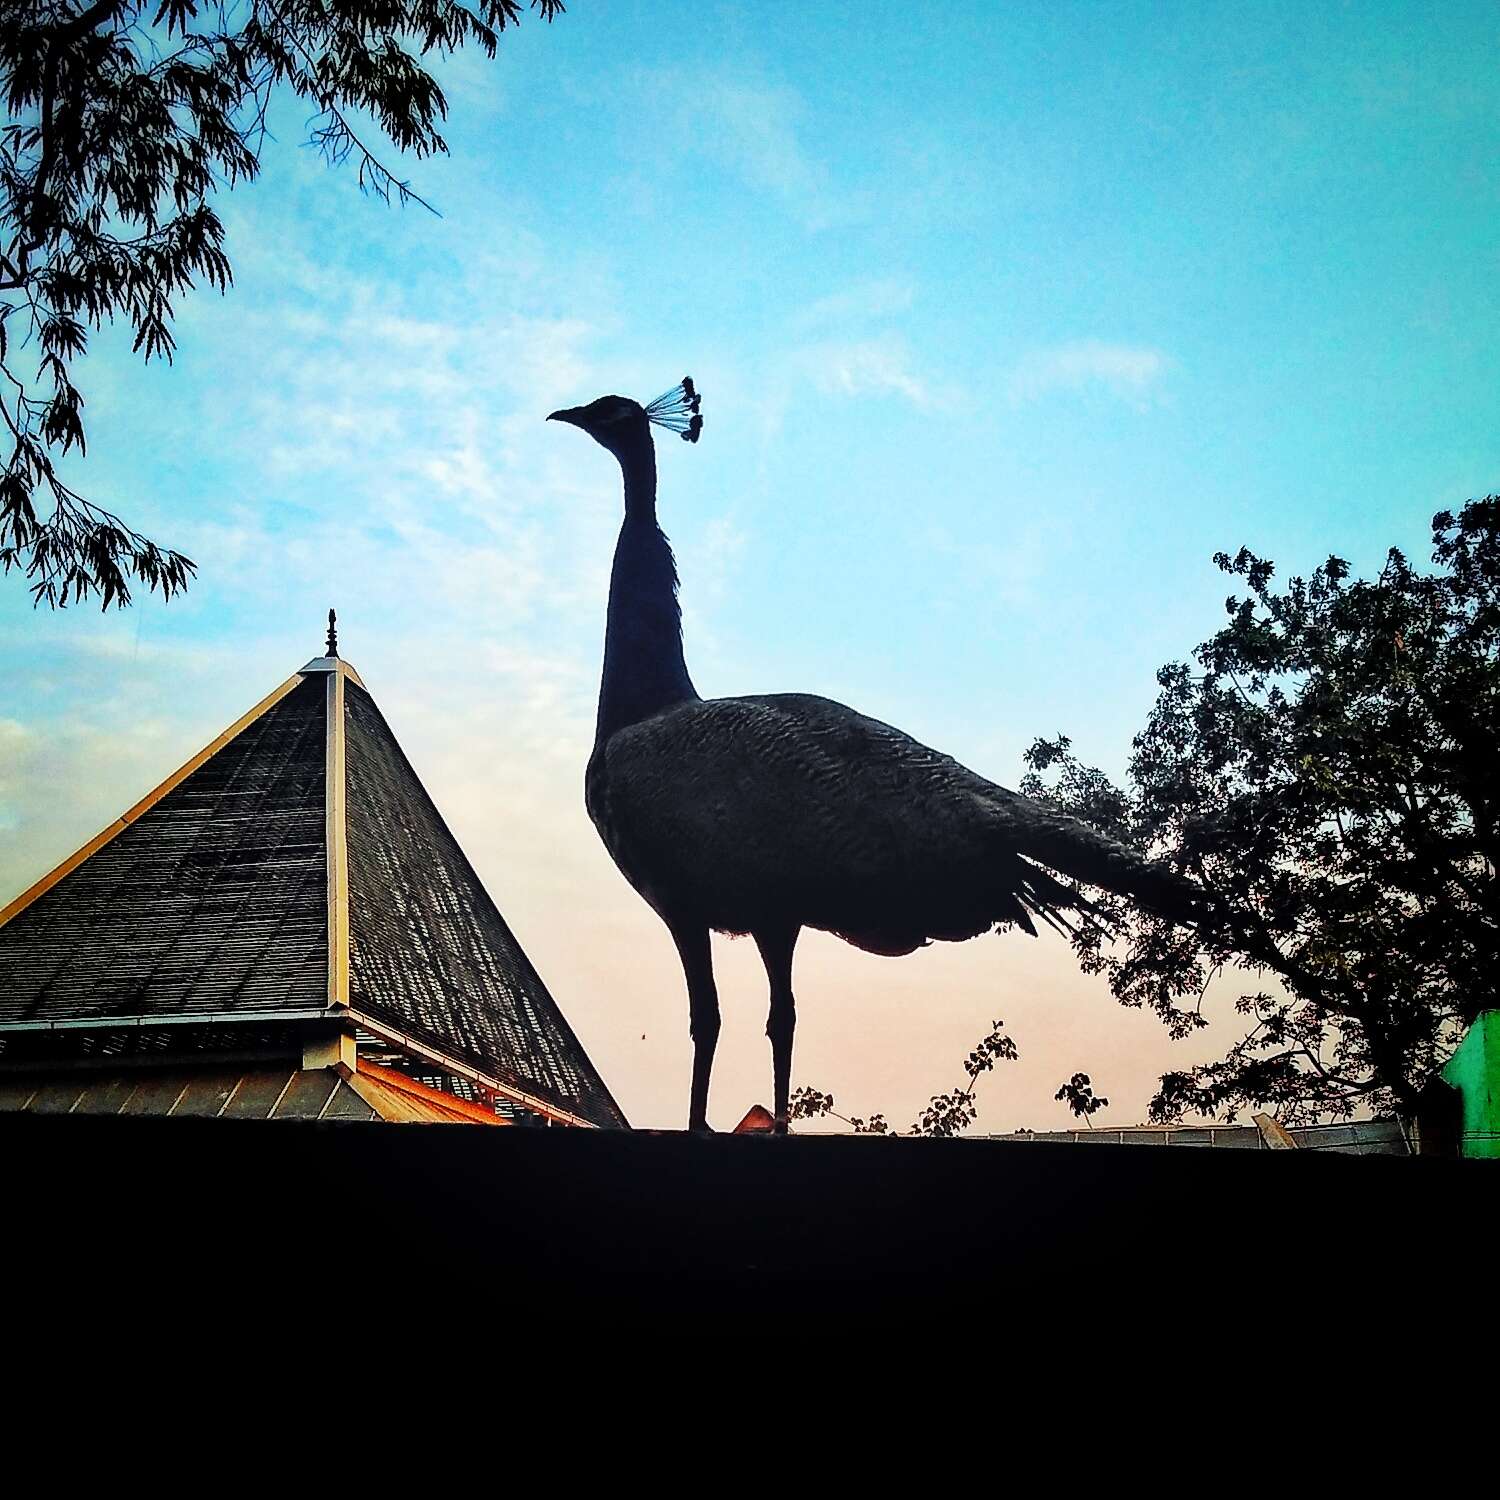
pixel 768 814
pixel 744 812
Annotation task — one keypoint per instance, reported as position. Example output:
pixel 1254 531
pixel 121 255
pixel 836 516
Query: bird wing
pixel 791 807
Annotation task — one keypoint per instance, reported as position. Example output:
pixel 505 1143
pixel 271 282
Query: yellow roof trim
pixel 394 1096
pixel 335 837
pixel 146 803
pixel 416 1048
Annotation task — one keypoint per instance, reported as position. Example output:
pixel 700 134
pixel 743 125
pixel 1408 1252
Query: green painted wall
pixel 1474 1070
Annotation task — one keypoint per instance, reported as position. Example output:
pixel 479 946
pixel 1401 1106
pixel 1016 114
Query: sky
pixel 1007 317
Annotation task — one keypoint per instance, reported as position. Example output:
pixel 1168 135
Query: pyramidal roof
pixel 295 872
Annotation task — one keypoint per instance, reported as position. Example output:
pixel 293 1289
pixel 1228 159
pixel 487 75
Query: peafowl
pixel 771 813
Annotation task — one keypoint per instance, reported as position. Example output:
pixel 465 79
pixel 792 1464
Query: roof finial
pixel 333 635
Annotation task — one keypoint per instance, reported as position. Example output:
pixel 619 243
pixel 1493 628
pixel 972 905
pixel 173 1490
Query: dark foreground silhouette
pixel 181 1220
pixel 773 813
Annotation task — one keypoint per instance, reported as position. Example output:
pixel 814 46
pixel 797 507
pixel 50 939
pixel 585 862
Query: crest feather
pixel 678 410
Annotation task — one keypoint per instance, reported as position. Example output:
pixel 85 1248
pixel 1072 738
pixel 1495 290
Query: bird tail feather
pixel 1047 836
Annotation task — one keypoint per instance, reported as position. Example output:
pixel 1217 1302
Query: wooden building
pixel 285 928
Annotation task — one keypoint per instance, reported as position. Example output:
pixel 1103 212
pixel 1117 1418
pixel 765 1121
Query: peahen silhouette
pixel 769 814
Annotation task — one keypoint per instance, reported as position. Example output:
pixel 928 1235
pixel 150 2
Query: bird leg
pixel 703 1012
pixel 776 954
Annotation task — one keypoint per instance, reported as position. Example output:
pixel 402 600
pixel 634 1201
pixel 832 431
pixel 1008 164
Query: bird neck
pixel 644 668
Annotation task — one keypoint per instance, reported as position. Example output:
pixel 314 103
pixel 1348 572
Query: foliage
pixel 123 119
pixel 945 1115
pixel 811 1104
pixel 1327 774
pixel 1078 1094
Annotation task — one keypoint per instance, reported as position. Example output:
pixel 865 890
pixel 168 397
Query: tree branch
pixel 68 33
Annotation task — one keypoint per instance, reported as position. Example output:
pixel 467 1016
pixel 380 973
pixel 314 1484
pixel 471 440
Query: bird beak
pixel 568 414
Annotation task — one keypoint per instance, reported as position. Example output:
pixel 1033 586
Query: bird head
pixel 614 422
pixel 617 422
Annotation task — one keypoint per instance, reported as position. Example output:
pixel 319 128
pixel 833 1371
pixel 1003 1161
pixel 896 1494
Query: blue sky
pixel 1007 318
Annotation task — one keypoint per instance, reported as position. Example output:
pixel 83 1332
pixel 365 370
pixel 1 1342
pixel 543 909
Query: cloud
pixel 1126 371
pixel 879 367
pixel 754 129
pixel 861 301
pixel 15 740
